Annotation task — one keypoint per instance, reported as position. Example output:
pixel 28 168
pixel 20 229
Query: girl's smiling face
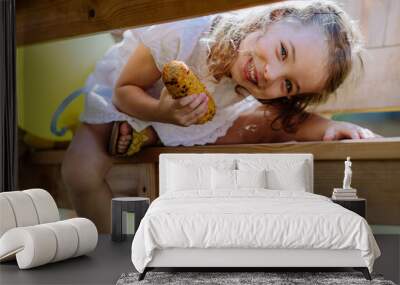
pixel 288 59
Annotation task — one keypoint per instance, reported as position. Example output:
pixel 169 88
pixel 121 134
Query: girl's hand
pixel 183 111
pixel 344 130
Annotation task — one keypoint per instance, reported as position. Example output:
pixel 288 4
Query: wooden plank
pixel 45 20
pixel 383 149
pixel 133 180
pixel 47 177
pixel 375 180
pixel 152 178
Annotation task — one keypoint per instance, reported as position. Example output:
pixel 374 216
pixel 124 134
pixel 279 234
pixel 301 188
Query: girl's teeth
pixel 252 72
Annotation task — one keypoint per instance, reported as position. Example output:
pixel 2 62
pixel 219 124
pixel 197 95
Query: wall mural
pixel 231 84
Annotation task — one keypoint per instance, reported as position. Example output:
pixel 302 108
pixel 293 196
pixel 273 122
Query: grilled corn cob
pixel 180 81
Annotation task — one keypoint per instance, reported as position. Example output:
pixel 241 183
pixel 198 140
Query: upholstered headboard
pixel 235 161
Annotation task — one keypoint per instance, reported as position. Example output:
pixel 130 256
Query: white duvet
pixel 250 219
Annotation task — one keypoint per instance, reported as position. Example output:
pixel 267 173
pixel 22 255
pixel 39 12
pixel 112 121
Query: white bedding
pixel 252 218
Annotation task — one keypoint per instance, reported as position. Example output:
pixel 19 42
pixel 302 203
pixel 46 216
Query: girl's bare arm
pixel 140 73
pixel 317 128
pixel 254 126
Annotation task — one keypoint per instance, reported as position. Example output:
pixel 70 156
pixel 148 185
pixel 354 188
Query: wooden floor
pixel 106 264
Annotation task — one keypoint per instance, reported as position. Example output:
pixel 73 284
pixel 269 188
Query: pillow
pixel 227 179
pixel 183 177
pixel 251 178
pixel 293 179
pixel 287 174
pixel 223 179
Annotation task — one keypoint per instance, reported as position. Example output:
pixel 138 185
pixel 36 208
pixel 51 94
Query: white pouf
pixel 41 244
pixel 31 232
pixel 45 205
pixel 7 218
pixel 33 246
pixel 87 233
pixel 26 208
pixel 67 238
pixel 23 208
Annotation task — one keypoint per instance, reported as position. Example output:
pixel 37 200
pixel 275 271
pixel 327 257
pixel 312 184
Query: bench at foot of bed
pixel 364 271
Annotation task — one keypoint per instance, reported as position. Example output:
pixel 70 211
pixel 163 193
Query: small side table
pixel 136 205
pixel 358 205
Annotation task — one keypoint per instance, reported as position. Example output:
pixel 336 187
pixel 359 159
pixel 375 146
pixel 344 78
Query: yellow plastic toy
pixel 46 74
pixel 66 116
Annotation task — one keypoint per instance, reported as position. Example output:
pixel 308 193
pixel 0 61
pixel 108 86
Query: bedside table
pixel 358 205
pixel 136 205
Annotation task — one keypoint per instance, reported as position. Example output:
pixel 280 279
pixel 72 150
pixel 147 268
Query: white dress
pixel 181 40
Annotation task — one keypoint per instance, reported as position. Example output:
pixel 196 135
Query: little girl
pixel 262 68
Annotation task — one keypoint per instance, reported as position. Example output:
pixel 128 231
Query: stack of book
pixel 344 194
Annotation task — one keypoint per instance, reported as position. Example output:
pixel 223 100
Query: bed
pixel 247 210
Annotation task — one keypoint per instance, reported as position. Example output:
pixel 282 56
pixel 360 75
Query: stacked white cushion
pixel 66 236
pixel 32 246
pixel 87 235
pixel 23 208
pixel 26 208
pixel 30 230
pixel 45 205
pixel 7 218
pixel 41 244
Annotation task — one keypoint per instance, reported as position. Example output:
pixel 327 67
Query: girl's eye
pixel 283 52
pixel 288 86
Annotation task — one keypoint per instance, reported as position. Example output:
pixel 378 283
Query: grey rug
pixel 231 278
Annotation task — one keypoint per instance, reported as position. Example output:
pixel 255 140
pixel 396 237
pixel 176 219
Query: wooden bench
pixel 376 170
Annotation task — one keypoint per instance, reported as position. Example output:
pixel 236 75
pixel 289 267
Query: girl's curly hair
pixel 344 42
